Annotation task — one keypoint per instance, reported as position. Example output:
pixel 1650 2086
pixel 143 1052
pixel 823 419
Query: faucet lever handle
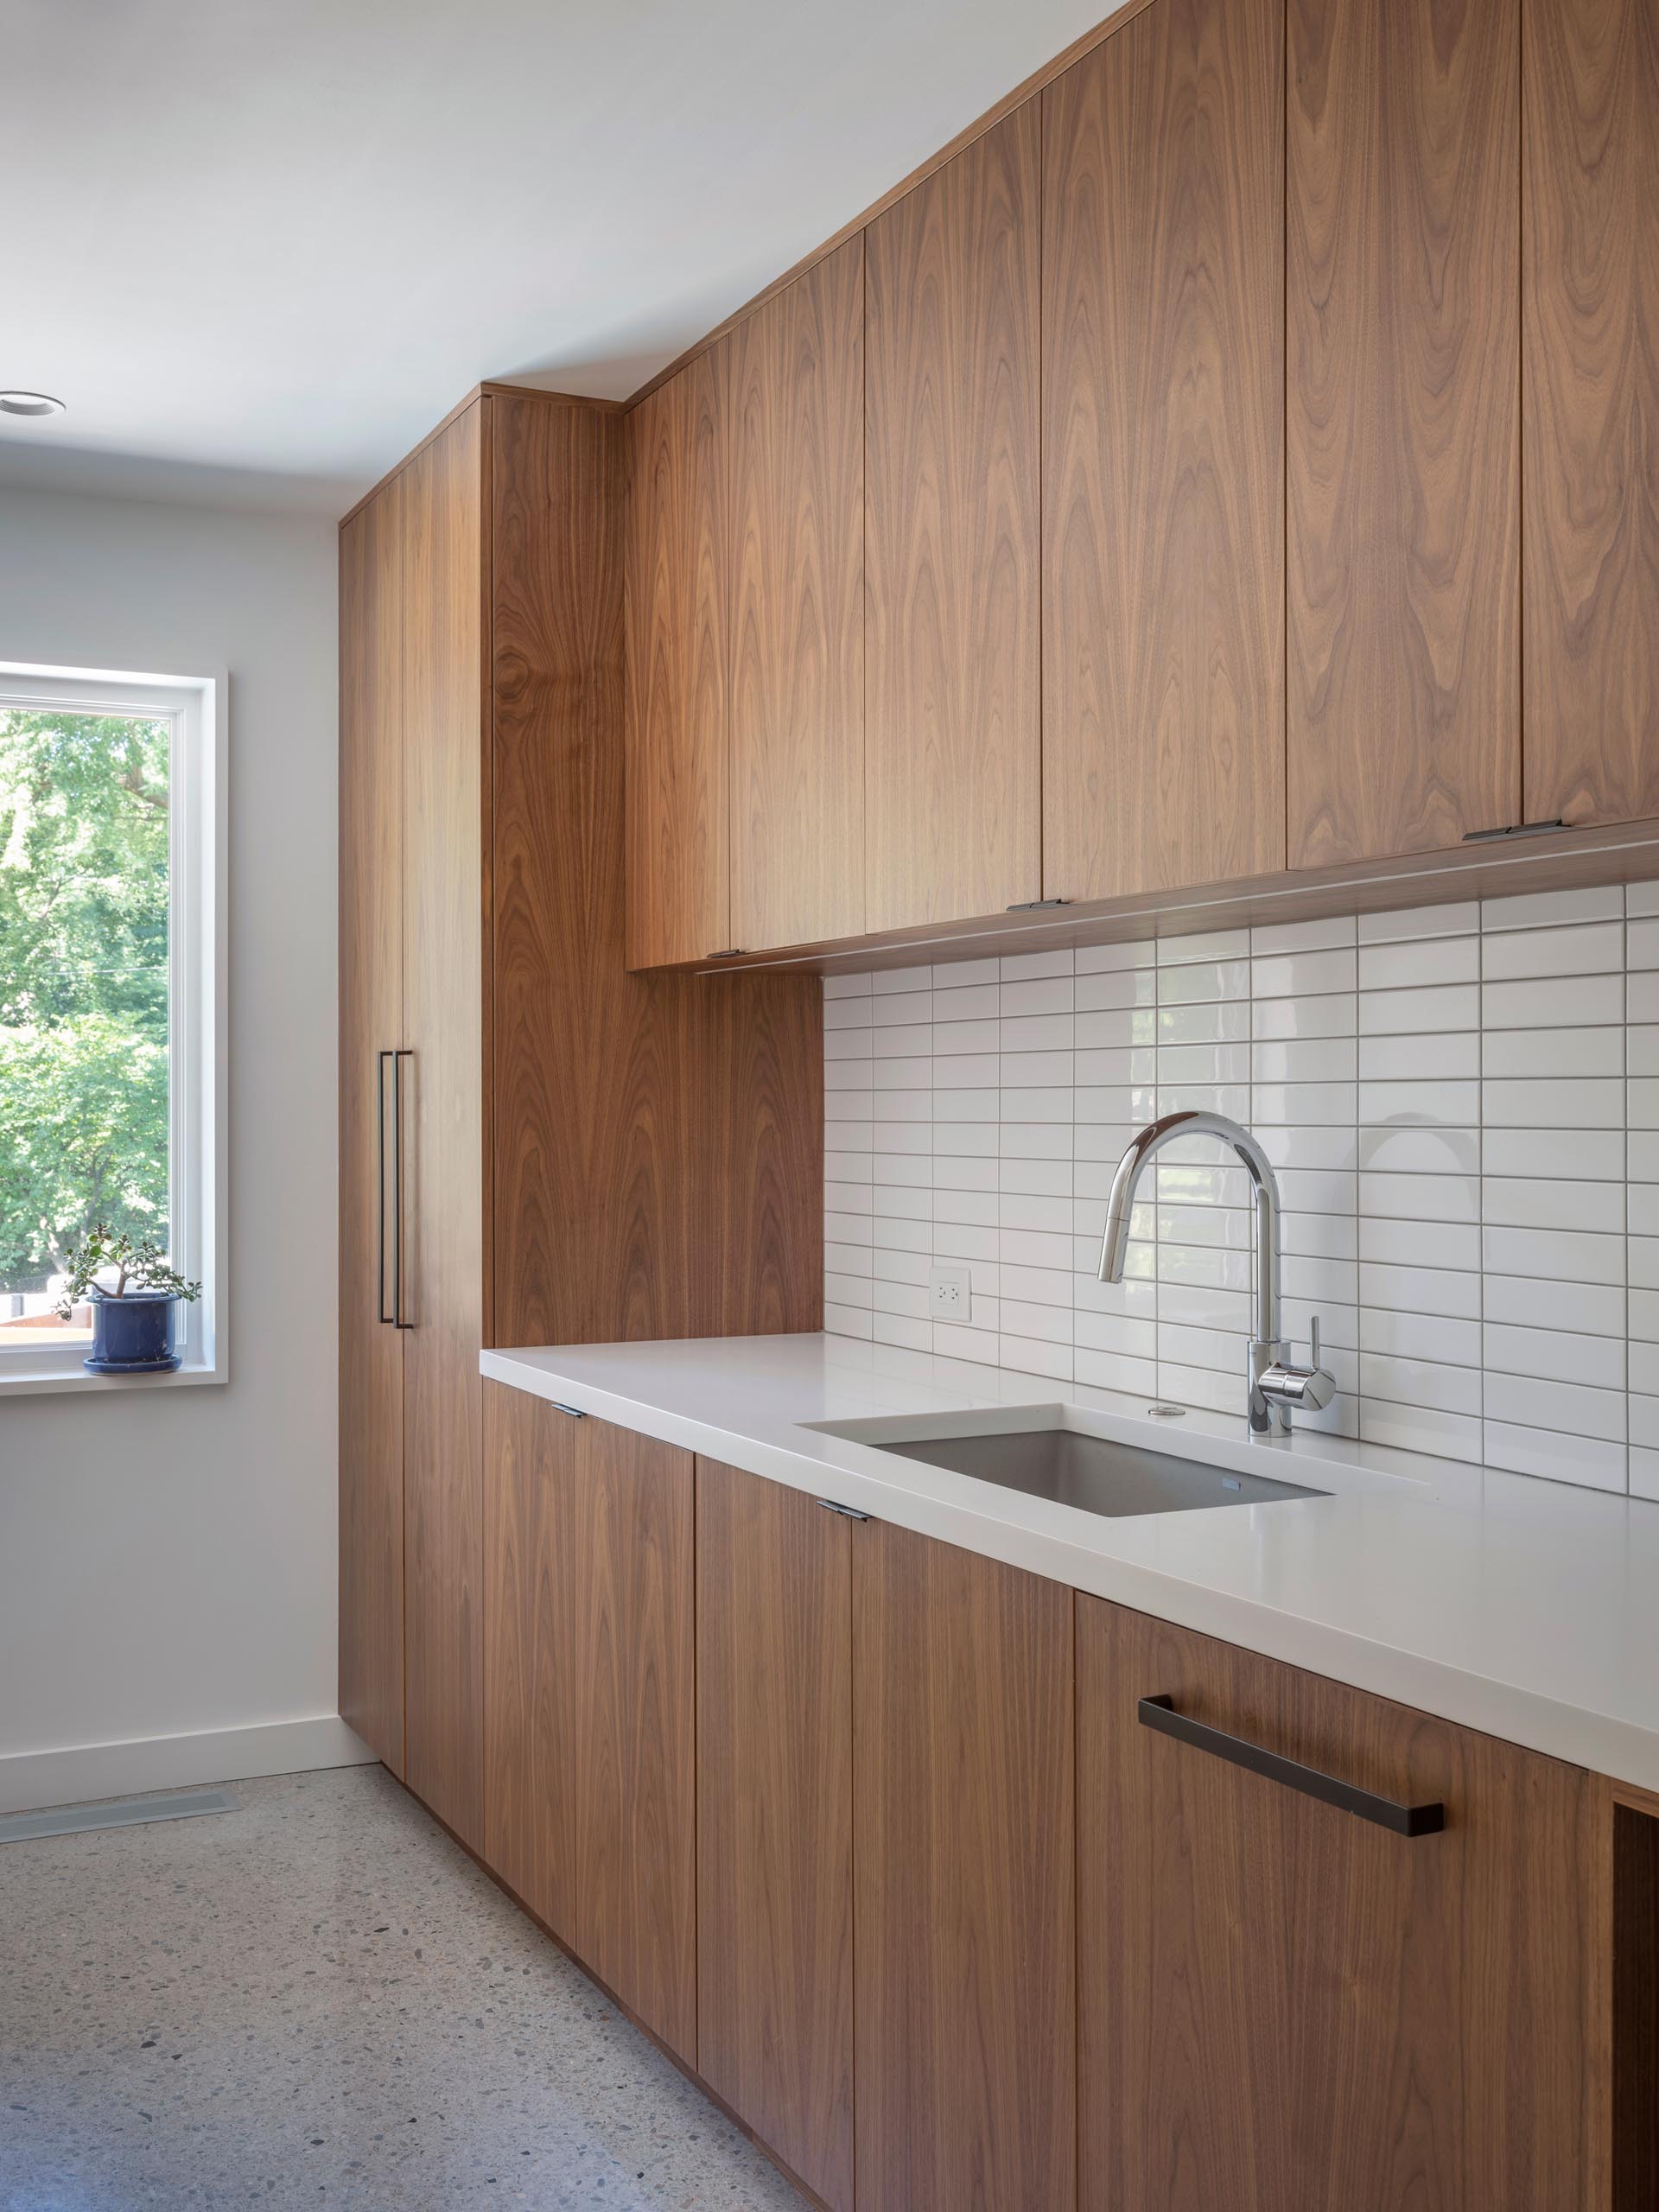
pixel 1314 1326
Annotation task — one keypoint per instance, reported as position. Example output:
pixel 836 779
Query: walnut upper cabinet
pixel 745 629
pixel 1137 503
pixel 1163 454
pixel 1403 320
pixel 796 590
pixel 1590 289
pixel 678 834
pixel 952 537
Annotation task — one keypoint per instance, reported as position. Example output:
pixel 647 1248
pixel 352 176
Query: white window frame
pixel 197 1027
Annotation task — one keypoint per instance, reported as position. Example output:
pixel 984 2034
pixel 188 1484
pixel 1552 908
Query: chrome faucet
pixel 1274 1385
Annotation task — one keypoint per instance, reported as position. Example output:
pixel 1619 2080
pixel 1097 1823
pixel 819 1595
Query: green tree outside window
pixel 84 1061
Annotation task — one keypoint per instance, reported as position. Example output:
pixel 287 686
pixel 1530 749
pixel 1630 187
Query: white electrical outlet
pixel 947 1294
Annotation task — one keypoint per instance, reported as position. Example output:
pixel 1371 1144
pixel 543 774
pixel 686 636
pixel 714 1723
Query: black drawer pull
pixel 1159 1713
pixel 1511 829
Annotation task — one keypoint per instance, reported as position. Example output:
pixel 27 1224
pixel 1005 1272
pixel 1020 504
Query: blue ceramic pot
pixel 133 1335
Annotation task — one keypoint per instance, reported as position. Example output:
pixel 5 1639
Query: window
pixel 111 1027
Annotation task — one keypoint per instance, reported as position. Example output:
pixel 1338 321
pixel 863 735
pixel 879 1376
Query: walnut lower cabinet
pixel 775 1819
pixel 872 1835
pixel 1286 2008
pixel 884 1743
pixel 963 1882
pixel 589 1720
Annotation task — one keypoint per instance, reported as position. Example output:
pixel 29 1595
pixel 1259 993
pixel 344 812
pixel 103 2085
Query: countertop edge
pixel 1621 1750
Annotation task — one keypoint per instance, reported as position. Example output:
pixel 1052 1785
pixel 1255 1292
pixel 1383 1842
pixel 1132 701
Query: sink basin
pixel 1097 1473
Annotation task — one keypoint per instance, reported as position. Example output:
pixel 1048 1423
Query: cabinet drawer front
pixel 1289 2007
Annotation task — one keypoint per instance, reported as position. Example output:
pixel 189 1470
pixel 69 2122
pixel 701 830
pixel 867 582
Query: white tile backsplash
pixel 1462 1105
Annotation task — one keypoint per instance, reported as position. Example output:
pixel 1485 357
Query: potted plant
pixel 132 1316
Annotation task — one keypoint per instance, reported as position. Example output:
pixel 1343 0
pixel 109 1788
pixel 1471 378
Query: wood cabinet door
pixel 444 1194
pixel 371 1027
pixel 796 545
pixel 1402 320
pixel 1163 454
pixel 627 1595
pixel 590 1717
pixel 774 1820
pixel 530 1467
pixel 953 538
pixel 679 652
pixel 964 1989
pixel 1285 2008
pixel 1590 289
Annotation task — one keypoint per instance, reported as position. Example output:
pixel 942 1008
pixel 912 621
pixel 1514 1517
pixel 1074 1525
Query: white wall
pixel 168 1559
pixel 1461 1102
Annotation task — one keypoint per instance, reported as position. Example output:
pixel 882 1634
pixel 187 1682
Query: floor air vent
pixel 131 1812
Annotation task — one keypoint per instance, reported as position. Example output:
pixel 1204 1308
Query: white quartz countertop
pixel 1523 1607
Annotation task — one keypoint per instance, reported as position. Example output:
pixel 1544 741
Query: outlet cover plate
pixel 947 1294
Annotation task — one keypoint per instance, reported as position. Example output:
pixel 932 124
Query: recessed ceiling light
pixel 29 403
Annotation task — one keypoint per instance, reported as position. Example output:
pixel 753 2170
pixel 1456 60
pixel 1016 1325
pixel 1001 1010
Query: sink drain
pixel 1166 1413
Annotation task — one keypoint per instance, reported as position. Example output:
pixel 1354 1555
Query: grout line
pixel 1194 1372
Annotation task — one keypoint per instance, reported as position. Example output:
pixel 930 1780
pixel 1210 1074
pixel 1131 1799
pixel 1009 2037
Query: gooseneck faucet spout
pixel 1274 1385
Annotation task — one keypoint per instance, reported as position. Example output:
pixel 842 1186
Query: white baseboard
pixel 30 1781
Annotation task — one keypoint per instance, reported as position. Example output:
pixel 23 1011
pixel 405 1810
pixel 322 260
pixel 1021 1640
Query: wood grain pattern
pixel 678 627
pixel 1285 2009
pixel 796 545
pixel 631 1671
pixel 1590 289
pixel 775 1818
pixel 444 963
pixel 529 1465
pixel 371 1017
pixel 953 539
pixel 1403 321
pixel 964 1861
pixel 755 1224
pixel 657 1138
pixel 1163 354
pixel 592 1704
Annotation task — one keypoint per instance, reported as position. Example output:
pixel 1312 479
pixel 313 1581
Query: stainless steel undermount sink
pixel 1052 1458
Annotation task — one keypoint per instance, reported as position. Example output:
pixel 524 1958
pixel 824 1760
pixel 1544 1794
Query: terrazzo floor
pixel 318 1999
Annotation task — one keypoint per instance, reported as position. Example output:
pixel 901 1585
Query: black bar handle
pixel 380 1059
pixel 397 1059
pixel 1511 829
pixel 1159 1713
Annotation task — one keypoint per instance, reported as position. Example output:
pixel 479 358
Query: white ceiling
pixel 274 240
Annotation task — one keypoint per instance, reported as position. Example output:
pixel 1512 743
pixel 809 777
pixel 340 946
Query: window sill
pixel 26 1383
